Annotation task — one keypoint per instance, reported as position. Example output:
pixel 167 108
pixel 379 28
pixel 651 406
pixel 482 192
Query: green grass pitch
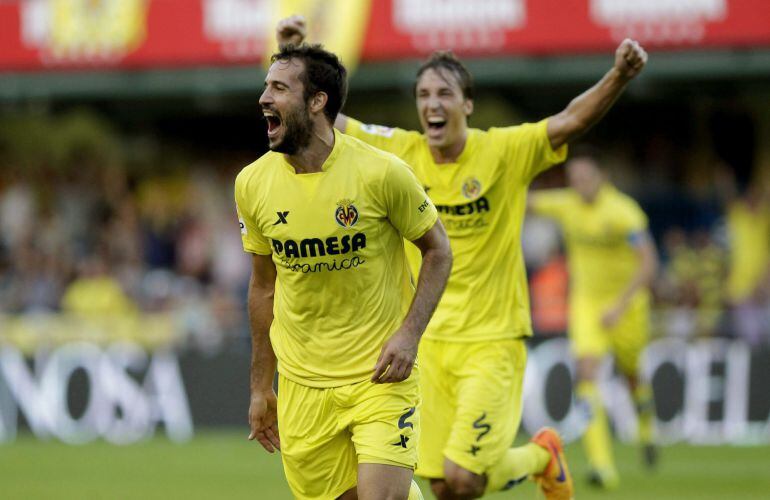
pixel 224 465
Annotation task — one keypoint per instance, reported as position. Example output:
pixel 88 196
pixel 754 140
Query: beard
pixel 298 131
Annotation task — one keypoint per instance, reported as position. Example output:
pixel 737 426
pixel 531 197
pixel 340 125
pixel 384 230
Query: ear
pixel 318 101
pixel 468 107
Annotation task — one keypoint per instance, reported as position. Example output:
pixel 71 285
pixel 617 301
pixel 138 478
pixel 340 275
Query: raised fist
pixel 291 30
pixel 630 58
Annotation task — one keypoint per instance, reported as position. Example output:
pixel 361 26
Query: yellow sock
pixel 645 407
pixel 414 492
pixel 515 466
pixel 597 442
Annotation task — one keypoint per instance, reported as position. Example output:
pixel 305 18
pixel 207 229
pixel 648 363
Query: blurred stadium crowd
pixel 84 234
pixel 87 232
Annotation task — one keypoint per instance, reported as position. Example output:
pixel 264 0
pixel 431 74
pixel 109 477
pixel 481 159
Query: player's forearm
pixel 585 110
pixel 643 277
pixel 763 285
pixel 639 281
pixel 534 203
pixel 263 361
pixel 434 273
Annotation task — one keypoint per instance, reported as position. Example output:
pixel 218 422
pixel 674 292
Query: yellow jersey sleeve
pixel 408 207
pixel 634 224
pixel 553 203
pixel 527 148
pixel 393 140
pixel 251 235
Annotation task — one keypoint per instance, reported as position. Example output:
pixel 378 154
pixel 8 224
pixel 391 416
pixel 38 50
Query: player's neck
pixel 311 158
pixel 590 198
pixel 449 153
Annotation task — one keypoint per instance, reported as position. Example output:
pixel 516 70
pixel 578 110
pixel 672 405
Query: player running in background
pixel 473 355
pixel 324 216
pixel 612 261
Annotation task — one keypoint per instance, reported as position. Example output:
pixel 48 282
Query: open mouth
pixel 436 123
pixel 273 122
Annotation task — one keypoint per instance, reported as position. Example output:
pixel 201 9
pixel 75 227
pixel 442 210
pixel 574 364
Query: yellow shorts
pixel 471 409
pixel 625 340
pixel 326 432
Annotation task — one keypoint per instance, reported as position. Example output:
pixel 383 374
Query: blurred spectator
pixel 689 288
pixel 16 212
pixel 548 288
pixel 748 285
pixel 94 294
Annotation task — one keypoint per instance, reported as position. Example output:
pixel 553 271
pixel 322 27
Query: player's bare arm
pixel 648 265
pixel 263 408
pixel 588 108
pixel 399 352
pixel 532 202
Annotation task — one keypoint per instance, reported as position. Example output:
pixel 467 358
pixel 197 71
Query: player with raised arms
pixel 473 355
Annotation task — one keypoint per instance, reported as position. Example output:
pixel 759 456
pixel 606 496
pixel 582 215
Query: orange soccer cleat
pixel 555 481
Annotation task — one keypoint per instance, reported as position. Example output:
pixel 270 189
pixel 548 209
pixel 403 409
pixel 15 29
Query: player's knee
pixel 587 368
pixel 351 494
pixel 464 483
pixel 440 489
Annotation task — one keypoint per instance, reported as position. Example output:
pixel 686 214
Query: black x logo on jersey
pixel 281 218
pixel 474 449
pixel 403 441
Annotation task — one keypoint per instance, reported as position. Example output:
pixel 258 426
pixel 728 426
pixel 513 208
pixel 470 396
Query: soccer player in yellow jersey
pixel 612 261
pixel 473 355
pixel 331 302
pixel 748 282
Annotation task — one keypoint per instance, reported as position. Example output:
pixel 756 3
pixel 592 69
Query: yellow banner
pixel 97 27
pixel 339 25
pixel 32 331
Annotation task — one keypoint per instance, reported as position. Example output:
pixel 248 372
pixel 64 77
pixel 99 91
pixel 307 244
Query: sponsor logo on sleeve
pixel 378 130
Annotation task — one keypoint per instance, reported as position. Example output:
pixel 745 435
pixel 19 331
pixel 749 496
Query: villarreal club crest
pixel 471 188
pixel 346 214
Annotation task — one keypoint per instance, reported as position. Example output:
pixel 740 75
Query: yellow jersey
pixel 600 238
pixel 749 233
pixel 98 296
pixel 336 237
pixel 481 200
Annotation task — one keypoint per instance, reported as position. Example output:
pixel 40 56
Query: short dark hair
pixel 446 60
pixel 323 73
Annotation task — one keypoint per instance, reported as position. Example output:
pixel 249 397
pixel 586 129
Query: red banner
pixel 48 34
pixel 37 34
pixel 405 28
